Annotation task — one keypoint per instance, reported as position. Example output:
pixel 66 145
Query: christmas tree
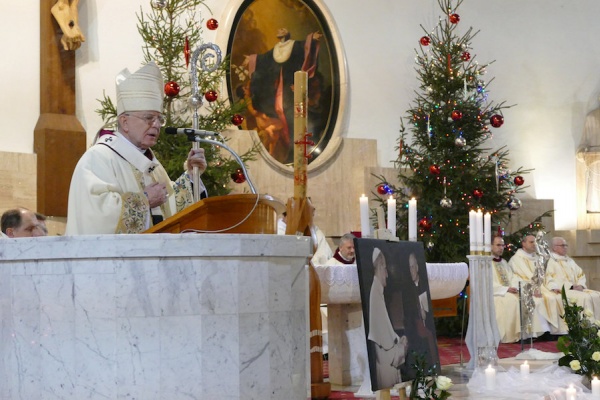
pixel 169 31
pixel 443 160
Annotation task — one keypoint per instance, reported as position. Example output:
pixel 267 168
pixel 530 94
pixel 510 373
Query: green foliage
pixel 427 384
pixel 442 152
pixel 581 345
pixel 164 32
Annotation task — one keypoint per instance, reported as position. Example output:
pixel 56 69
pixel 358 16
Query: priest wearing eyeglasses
pixel 562 271
pixel 118 185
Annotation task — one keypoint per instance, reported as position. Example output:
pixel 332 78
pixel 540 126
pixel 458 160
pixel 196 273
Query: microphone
pixel 189 132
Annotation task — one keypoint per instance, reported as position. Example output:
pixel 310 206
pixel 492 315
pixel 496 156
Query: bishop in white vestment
pixel 118 186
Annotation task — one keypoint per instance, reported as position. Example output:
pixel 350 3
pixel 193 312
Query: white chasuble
pixel 107 190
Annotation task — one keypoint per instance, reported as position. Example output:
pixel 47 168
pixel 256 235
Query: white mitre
pixel 140 91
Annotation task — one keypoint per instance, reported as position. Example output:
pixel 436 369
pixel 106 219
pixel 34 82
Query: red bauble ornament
pixel 383 189
pixel 477 193
pixel 454 18
pixel 456 115
pixel 212 24
pixel 519 180
pixel 466 56
pixel 238 176
pixel 186 51
pixel 496 120
pixel 425 224
pixel 425 41
pixel 172 88
pixel 434 169
pixel 237 119
pixel 211 96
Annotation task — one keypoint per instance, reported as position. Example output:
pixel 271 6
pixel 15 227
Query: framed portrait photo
pixel 397 312
pixel 268 42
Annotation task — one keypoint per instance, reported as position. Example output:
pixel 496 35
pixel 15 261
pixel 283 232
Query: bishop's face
pixel 142 128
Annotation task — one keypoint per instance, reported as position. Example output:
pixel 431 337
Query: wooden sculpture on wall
pixel 59 140
pixel 67 17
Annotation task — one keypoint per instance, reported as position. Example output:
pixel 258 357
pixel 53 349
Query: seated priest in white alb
pixel 344 254
pixel 524 264
pixel 118 186
pixel 507 301
pixel 563 271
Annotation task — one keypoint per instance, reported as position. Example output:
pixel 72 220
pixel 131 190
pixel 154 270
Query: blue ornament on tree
pixel 384 189
pixel 513 203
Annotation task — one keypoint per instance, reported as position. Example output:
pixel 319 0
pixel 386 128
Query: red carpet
pixel 449 350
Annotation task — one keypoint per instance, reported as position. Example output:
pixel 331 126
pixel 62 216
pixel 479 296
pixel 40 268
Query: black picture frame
pixel 406 303
pixel 254 33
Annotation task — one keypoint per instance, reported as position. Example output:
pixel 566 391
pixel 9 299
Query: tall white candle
pixel 525 368
pixel 490 377
pixel 571 393
pixel 472 241
pixel 391 216
pixel 365 226
pixel 596 387
pixel 487 232
pixel 412 220
pixel 478 231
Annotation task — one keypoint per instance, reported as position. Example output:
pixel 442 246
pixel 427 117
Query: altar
pixel 163 316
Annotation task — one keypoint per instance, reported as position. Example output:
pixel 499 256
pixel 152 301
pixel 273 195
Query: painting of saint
pixel 270 41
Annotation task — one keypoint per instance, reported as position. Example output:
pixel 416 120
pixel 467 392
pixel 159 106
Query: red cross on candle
pixel 306 142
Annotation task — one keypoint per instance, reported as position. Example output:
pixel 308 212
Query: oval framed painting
pixel 269 41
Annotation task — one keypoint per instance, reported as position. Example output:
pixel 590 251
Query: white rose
pixel 443 382
pixel 588 313
pixel 596 356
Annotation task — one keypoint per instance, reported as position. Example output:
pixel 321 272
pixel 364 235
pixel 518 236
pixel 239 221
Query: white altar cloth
pixel 339 283
pixel 154 317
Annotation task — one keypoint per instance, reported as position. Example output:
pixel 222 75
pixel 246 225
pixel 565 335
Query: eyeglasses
pixel 151 119
pixel 562 245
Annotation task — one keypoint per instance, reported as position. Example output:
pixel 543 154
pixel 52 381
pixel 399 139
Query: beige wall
pixel 18 186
